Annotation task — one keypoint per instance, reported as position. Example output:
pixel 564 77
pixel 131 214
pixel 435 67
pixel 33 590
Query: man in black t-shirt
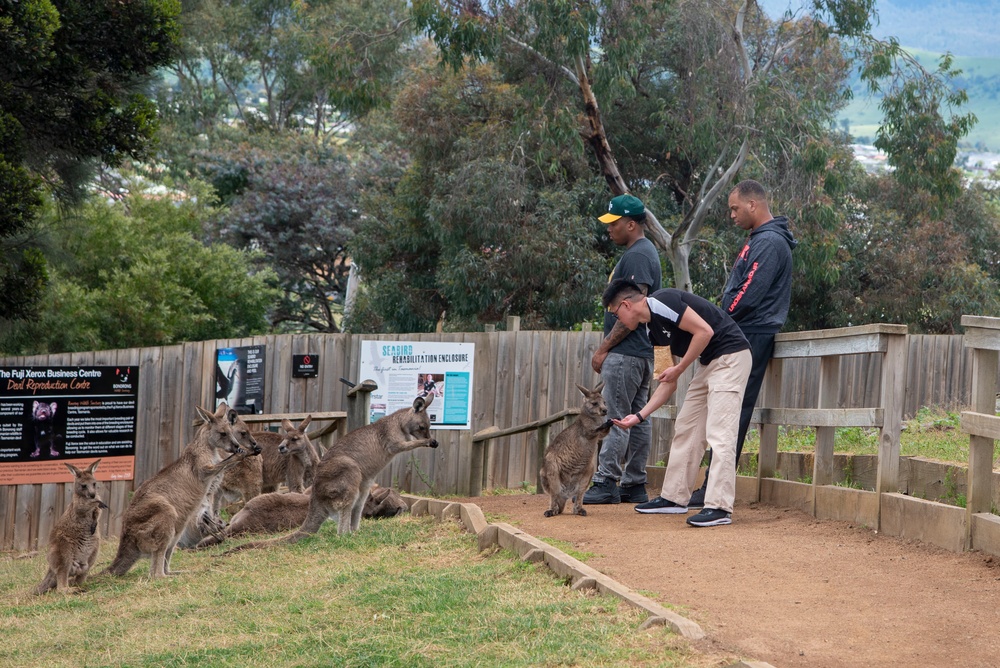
pixel 695 329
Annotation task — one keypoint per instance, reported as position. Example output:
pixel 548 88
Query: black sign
pixel 50 415
pixel 239 378
pixel 305 366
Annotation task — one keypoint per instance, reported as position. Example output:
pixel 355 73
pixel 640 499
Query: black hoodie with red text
pixel 760 285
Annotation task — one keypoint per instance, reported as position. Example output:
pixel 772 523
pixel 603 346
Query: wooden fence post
pixel 359 401
pixel 891 401
pixel 513 323
pixel 829 388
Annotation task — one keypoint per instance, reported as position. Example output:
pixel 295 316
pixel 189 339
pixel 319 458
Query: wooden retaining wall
pixel 520 376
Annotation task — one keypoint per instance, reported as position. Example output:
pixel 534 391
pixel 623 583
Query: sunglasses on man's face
pixel 618 308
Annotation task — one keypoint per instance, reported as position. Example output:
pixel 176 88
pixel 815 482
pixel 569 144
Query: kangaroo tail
pixel 127 555
pixel 291 538
pixel 49 582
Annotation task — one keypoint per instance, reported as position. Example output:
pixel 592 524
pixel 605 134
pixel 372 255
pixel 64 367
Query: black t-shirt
pixel 667 306
pixel 640 263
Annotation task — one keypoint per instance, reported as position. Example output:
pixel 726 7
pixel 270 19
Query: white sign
pixel 405 370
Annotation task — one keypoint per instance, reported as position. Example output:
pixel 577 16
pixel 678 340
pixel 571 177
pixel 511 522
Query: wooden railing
pixel 982 527
pixel 481 446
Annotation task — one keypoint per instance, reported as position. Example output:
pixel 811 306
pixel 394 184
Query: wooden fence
pixel 520 376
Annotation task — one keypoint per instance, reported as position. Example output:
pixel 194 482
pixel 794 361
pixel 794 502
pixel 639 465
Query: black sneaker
pixel 634 493
pixel 710 517
pixel 697 498
pixel 661 506
pixel 602 492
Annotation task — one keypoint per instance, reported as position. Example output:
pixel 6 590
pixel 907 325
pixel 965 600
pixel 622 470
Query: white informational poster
pixel 405 370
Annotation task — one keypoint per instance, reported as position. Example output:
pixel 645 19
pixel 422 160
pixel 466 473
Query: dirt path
pixel 782 587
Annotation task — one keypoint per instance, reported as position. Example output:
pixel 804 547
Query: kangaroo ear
pixel 287 425
pixel 203 414
pixel 419 404
pixel 72 469
pixel 232 416
pixel 600 386
pixel 584 391
pixel 305 423
pixel 93 466
pixel 221 409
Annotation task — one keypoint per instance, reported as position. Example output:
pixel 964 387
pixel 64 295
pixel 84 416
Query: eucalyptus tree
pixel 730 84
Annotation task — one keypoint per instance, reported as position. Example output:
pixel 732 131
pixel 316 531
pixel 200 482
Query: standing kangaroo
pixel 570 459
pixel 288 457
pixel 347 471
pixel 165 503
pixel 75 538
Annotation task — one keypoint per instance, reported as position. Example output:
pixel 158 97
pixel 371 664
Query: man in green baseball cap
pixel 624 205
pixel 625 361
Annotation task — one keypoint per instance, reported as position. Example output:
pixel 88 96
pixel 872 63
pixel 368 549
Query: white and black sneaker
pixel 710 517
pixel 661 506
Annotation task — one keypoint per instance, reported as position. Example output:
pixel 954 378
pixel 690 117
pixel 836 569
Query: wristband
pixel 641 419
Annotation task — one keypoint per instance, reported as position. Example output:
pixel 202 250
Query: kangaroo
pixel 347 471
pixel 207 520
pixel 267 513
pixel 75 538
pixel 164 504
pixel 384 502
pixel 570 459
pixel 288 457
pixel 270 513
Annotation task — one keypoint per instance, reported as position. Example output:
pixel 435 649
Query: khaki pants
pixel 709 418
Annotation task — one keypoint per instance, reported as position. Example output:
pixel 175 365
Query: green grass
pixel 933 433
pixel 401 592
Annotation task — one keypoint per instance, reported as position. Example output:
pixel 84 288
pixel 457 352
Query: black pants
pixel 761 348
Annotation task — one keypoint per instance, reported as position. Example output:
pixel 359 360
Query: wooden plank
pixel 540 359
pixel 817 417
pixel 981 339
pixel 26 518
pixel 498 453
pixel 824 346
pixel 858 331
pixel 522 406
pixel 483 396
pixel 986 425
pixel 981 322
pixel 50 507
pixel 8 507
pixel 494 432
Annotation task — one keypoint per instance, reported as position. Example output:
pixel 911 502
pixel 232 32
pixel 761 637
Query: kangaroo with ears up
pixel 347 471
pixel 571 458
pixel 75 538
pixel 164 504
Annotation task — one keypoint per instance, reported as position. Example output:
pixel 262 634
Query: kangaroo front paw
pixel 549 513
pixel 582 512
pixel 434 443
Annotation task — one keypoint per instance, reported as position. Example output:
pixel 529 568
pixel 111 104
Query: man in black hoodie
pixel 757 293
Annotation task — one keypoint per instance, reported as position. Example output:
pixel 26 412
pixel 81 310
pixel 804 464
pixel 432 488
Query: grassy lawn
pixel 401 592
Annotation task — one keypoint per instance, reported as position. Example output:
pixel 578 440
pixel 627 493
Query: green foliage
pixel 480 226
pixel 295 203
pixel 71 80
pixel 136 273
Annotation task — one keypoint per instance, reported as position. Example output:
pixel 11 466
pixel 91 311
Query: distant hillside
pixel 967 29
pixel 981 81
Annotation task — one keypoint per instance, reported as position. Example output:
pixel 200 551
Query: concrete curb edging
pixel 529 548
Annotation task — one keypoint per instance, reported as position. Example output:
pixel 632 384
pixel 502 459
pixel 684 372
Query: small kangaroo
pixel 288 457
pixel 75 538
pixel 164 504
pixel 347 471
pixel 571 458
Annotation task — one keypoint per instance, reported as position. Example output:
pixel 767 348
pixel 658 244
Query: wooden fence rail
pixel 519 377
